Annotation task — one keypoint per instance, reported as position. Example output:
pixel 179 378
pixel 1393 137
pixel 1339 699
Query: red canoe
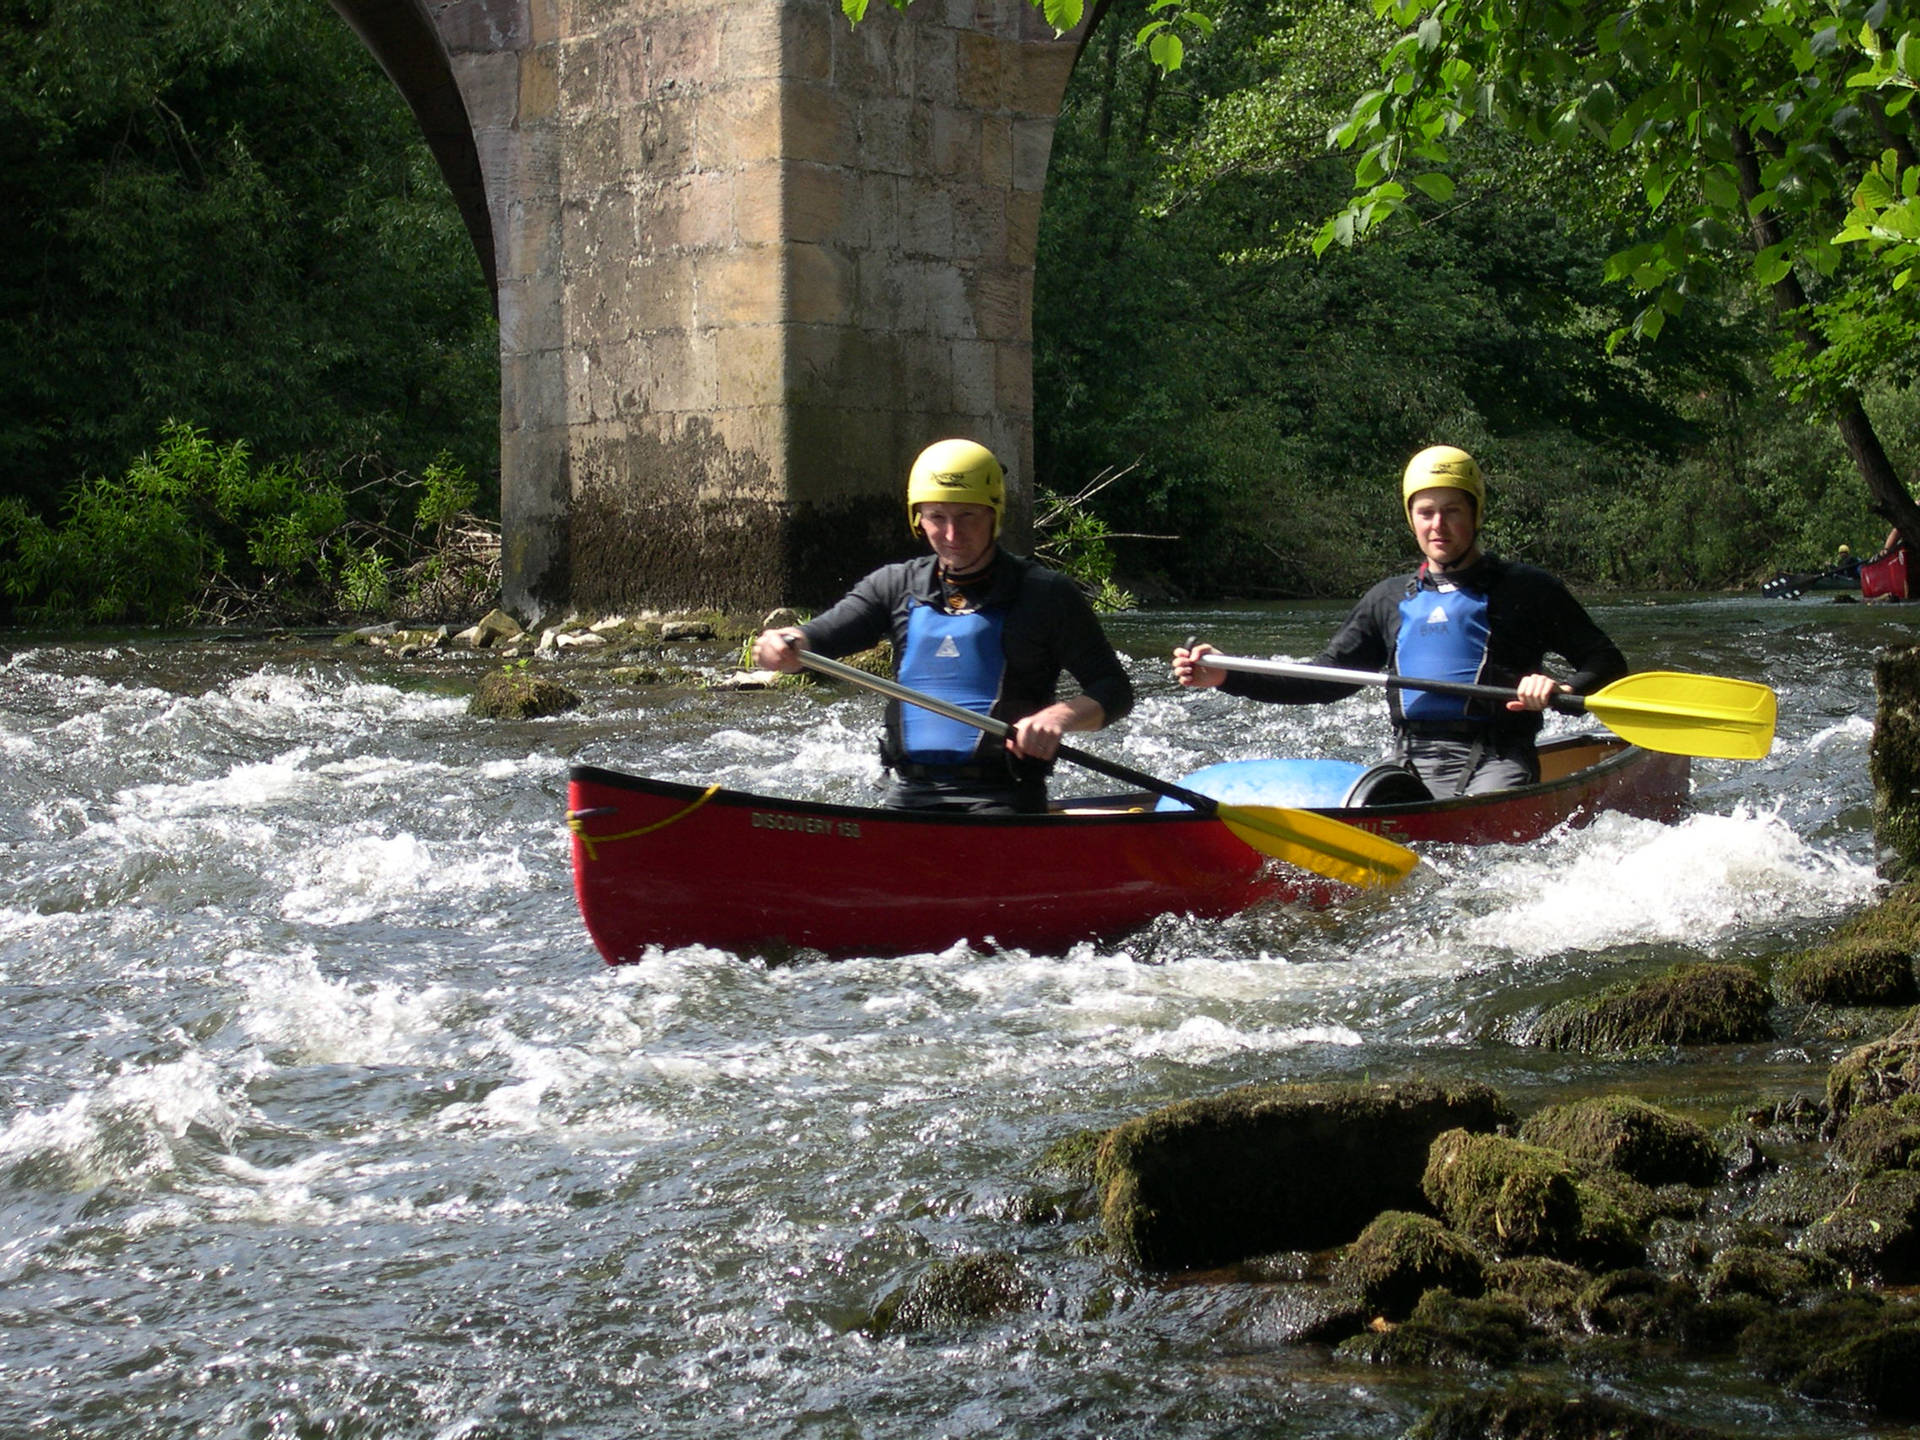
pixel 657 863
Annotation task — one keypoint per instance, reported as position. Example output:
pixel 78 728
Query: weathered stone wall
pixel 750 260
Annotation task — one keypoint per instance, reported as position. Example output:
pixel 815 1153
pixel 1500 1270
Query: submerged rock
pixel 1530 1414
pixel 1274 1167
pixel 1696 1004
pixel 960 1291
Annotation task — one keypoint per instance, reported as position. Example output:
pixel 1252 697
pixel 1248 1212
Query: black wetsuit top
pixel 1048 627
pixel 1529 615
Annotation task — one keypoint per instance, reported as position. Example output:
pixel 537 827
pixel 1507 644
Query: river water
pixel 324 1118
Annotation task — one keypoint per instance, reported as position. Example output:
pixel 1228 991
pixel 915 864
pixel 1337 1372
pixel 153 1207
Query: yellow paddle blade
pixel 1325 846
pixel 1688 714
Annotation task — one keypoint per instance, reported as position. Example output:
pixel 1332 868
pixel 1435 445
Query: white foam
pixel 123 1129
pixel 294 1010
pixel 1626 881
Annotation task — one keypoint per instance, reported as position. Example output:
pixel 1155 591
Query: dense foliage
pixel 223 215
pixel 196 531
pixel 1269 395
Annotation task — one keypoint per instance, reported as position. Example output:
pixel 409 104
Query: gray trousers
pixel 1453 766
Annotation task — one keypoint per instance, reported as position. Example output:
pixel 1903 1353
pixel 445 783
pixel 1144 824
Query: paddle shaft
pixel 1562 700
pixel 1112 769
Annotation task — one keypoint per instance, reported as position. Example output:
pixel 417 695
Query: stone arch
pixel 747 260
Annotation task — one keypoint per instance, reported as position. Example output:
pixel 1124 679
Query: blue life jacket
pixel 1443 636
pixel 959 659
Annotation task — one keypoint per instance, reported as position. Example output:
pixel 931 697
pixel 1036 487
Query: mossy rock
pixel 1694 1004
pixel 1893 757
pixel 1879 1137
pixel 1532 1414
pixel 876 661
pixel 958 1292
pixel 1266 1168
pixel 519 695
pixel 1513 1198
pixel 1785 1342
pixel 1875 1230
pixel 1071 1157
pixel 1548 1290
pixel 1878 1072
pixel 1450 1333
pixel 1620 1132
pixel 1063 1186
pixel 1773 1275
pixel 1636 1303
pixel 1892 923
pixel 1399 1257
pixel 1878 1371
pixel 1857 972
pixel 1614 1215
pixel 644 675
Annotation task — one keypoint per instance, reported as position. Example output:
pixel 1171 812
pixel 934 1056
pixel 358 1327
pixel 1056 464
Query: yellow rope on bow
pixel 588 842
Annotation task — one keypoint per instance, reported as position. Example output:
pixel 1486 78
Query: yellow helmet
pixel 960 472
pixel 1444 467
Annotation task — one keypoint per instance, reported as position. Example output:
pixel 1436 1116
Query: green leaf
pixel 1063 15
pixel 1167 50
pixel 1434 185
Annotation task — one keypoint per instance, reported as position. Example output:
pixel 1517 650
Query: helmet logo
pixel 953 480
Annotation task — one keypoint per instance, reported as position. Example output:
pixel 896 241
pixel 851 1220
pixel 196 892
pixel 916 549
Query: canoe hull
pixel 660 864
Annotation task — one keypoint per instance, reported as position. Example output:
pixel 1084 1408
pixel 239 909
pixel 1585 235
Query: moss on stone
pixel 1274 1167
pixel 515 694
pixel 1851 972
pixel 1636 1302
pixel 1620 1132
pixel 1878 1072
pixel 1879 1137
pixel 1878 1371
pixel 1692 1004
pixel 1071 1157
pixel 1399 1257
pixel 958 1292
pixel 1532 1414
pixel 1513 1198
pixel 1893 758
pixel 1547 1289
pixel 1448 1332
pixel 1785 1342
pixel 1774 1275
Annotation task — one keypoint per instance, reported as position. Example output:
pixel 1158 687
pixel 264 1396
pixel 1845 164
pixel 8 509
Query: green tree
pixel 1269 396
pixel 222 212
pixel 1770 135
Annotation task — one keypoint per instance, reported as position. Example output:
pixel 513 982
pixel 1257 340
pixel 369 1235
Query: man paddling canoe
pixel 977 627
pixel 1463 615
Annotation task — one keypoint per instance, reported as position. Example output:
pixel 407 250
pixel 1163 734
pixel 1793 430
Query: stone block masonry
pixel 749 259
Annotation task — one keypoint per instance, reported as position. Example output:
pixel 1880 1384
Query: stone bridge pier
pixel 749 259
